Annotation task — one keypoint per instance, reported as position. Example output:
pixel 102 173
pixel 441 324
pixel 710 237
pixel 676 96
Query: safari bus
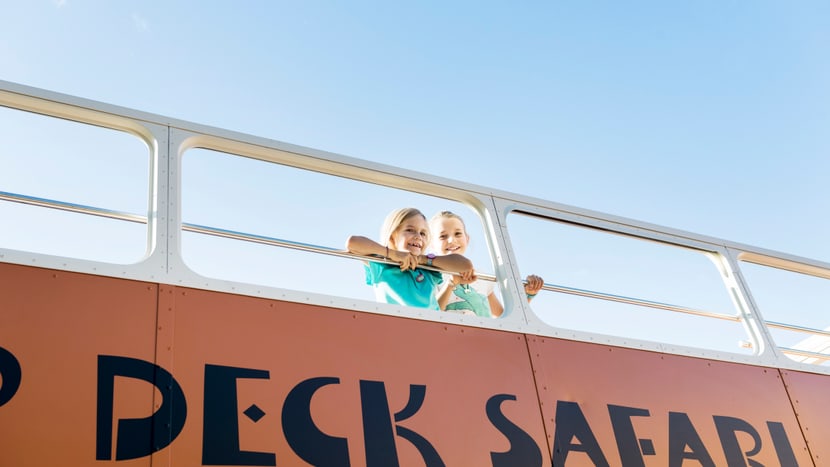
pixel 175 294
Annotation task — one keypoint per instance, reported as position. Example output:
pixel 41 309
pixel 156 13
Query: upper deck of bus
pixel 179 170
pixel 225 251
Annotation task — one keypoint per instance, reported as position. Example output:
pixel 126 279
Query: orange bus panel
pixel 614 406
pixel 809 393
pixel 55 325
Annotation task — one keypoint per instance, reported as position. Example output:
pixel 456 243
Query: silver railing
pixel 307 247
pixel 272 241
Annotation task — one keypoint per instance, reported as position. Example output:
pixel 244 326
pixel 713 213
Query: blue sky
pixel 706 116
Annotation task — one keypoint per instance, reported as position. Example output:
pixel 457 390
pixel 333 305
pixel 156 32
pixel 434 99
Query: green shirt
pixel 411 287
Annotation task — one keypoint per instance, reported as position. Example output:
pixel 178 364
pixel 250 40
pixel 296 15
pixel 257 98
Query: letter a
pixel 682 434
pixel 570 424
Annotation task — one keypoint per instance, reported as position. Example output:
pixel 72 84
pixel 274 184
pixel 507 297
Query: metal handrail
pixel 793 327
pixel 253 238
pixel 71 207
pixel 196 228
pixel 640 302
pixel 206 230
pixel 805 353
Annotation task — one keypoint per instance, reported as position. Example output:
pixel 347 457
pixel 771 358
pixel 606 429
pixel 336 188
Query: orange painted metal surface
pixel 363 359
pixel 615 406
pixel 55 324
pixel 810 395
pixel 251 380
pixel 97 371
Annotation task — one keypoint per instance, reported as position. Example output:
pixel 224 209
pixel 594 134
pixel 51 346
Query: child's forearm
pixel 449 263
pixel 445 294
pixel 496 308
pixel 365 246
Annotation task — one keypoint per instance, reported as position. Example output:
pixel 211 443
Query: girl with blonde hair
pixel 467 294
pixel 404 238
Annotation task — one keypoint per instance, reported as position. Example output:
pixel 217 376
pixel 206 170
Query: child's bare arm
pixel 450 263
pixel 365 246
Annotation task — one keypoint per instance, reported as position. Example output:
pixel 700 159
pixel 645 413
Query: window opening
pixel 71 162
pixel 581 258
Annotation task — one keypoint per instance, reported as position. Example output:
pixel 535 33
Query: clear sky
pixel 708 116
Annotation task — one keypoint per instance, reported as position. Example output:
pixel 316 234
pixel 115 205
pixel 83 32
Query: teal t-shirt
pixel 468 298
pixel 411 287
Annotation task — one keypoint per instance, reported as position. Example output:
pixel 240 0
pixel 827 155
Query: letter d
pixel 137 437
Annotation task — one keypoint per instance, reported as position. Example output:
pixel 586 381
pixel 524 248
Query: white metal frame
pixel 168 139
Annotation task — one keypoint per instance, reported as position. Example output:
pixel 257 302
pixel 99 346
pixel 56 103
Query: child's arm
pixel 444 294
pixel 448 287
pixel 365 246
pixel 533 286
pixel 450 263
pixel 496 308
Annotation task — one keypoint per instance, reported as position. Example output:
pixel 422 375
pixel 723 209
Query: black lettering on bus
pixel 783 448
pixel 682 435
pixel 728 427
pixel 137 437
pixel 11 374
pixel 630 447
pixel 220 439
pixel 572 433
pixel 378 430
pixel 523 449
pixel 307 441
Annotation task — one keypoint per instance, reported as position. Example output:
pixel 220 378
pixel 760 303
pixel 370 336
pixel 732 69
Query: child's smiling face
pixel 449 236
pixel 411 235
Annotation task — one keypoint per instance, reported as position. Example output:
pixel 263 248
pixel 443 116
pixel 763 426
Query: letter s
pixel 523 449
